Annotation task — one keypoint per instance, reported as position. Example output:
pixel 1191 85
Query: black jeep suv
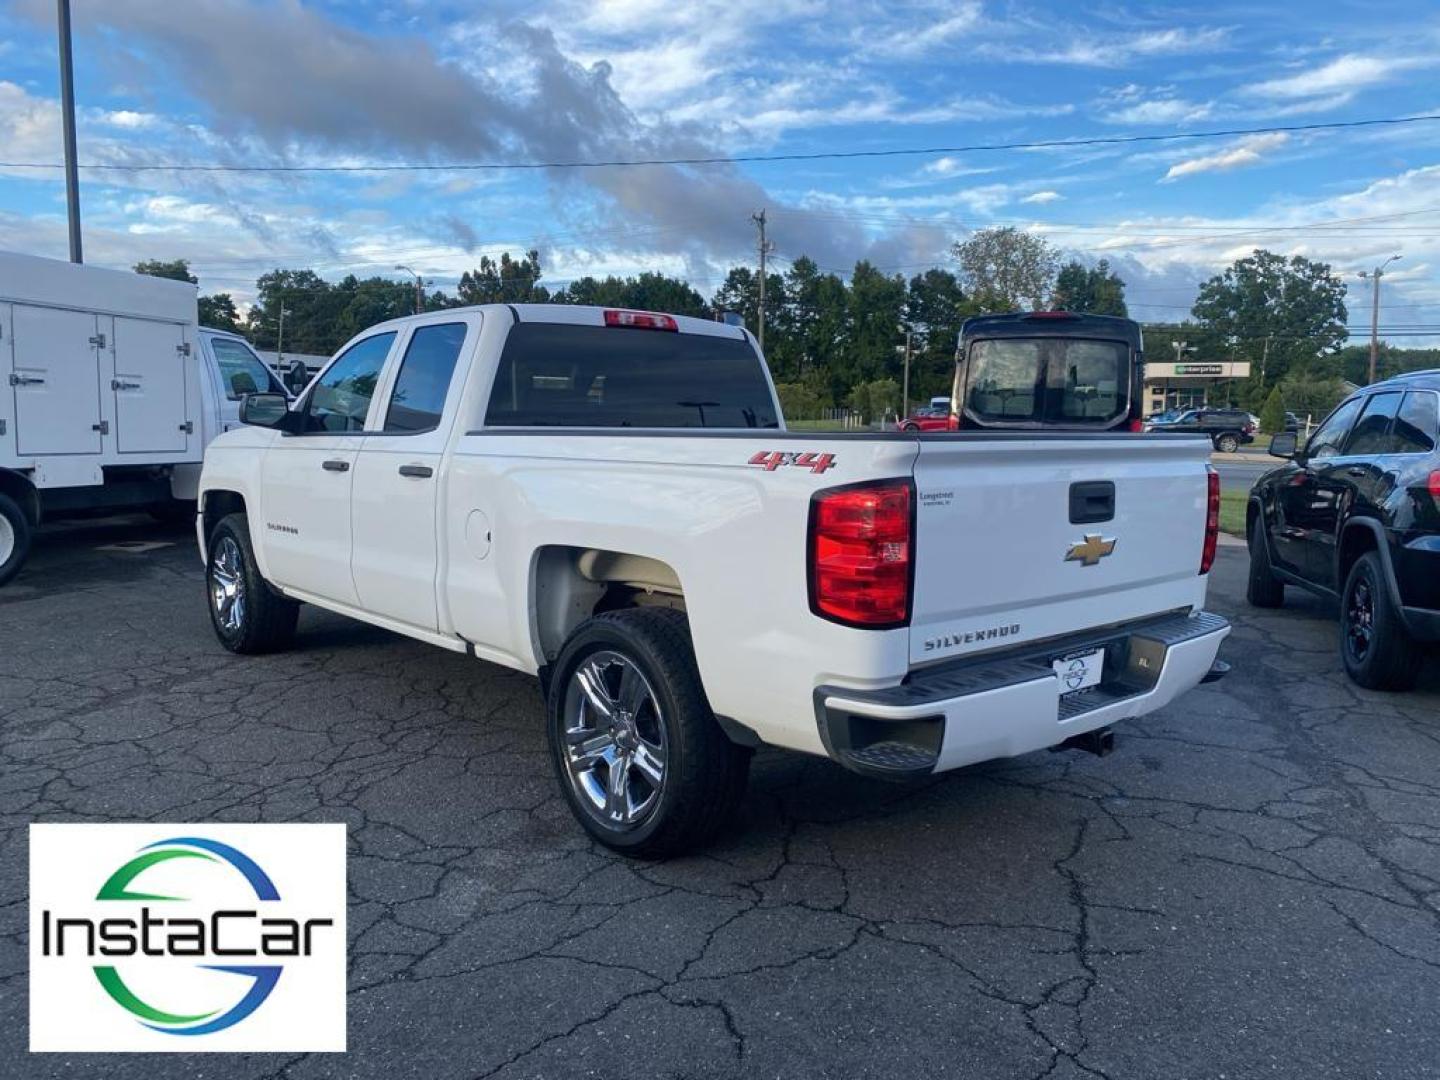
pixel 1355 515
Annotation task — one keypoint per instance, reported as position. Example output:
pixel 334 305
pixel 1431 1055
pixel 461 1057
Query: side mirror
pixel 1284 445
pixel 264 410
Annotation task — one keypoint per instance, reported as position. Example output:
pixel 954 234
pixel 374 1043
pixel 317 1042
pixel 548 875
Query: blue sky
pixel 321 83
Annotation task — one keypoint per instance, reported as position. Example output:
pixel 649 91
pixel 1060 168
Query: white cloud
pixel 1114 50
pixel 1246 152
pixel 914 40
pixel 1042 197
pixel 1159 111
pixel 1344 75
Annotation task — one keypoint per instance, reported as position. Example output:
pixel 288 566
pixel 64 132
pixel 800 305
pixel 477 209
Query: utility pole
pixel 419 288
pixel 765 248
pixel 67 110
pixel 905 392
pixel 280 337
pixel 1375 277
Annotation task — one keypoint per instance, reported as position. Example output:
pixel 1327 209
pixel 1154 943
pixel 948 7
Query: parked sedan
pixel 929 418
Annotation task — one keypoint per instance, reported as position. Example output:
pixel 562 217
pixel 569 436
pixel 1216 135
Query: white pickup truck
pixel 610 500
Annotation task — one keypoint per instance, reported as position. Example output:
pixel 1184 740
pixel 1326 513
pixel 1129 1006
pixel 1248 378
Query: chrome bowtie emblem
pixel 1091 550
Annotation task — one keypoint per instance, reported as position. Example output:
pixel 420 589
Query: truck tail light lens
pixel 641 320
pixel 861 553
pixel 1137 425
pixel 1212 519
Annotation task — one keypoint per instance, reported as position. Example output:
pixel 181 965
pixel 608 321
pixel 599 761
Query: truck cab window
pixel 241 371
pixel 563 375
pixel 341 397
pixel 424 379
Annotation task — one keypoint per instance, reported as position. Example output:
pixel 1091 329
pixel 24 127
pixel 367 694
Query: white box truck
pixel 109 392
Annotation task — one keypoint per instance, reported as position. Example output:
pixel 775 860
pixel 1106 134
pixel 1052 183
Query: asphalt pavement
pixel 1248 886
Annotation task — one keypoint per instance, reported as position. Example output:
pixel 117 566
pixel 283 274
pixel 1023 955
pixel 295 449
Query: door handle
pixel 121 384
pixel 25 380
pixel 419 472
pixel 1357 470
pixel 334 465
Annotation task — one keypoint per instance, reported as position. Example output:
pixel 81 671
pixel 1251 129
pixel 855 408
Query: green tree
pixel 876 399
pixel 1091 290
pixel 875 349
pixel 504 281
pixel 935 308
pixel 1283 315
pixel 174 269
pixel 816 325
pixel 219 313
pixel 1272 416
pixel 800 401
pixel 1005 268
pixel 1308 396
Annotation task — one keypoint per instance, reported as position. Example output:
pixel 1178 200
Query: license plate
pixel 1079 670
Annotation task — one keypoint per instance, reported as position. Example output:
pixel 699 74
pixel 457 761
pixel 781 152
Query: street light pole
pixel 1375 277
pixel 419 288
pixel 67 110
pixel 280 337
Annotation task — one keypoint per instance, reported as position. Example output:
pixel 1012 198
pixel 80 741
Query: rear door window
pixel 1372 432
pixel 561 375
pixel 1414 431
pixel 1071 381
pixel 418 399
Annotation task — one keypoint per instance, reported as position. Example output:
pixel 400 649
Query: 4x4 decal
pixel 770 460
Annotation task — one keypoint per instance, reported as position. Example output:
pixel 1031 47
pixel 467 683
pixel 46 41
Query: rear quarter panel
pixel 734 533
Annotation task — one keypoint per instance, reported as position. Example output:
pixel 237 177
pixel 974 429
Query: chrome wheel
pixel 227 585
pixel 1360 619
pixel 615 742
pixel 7 539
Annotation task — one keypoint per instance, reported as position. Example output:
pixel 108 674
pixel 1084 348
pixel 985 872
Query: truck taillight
pixel 640 320
pixel 861 554
pixel 1136 424
pixel 1212 520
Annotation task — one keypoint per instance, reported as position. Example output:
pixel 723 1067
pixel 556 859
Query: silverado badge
pixel 1091 550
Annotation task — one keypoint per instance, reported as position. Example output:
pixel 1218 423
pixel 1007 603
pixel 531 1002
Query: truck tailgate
pixel 1005 553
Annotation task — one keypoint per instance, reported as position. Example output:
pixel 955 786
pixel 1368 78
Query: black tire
pixel 265 621
pixel 910 426
pixel 704 773
pixel 1264 589
pixel 1227 443
pixel 1377 650
pixel 14 538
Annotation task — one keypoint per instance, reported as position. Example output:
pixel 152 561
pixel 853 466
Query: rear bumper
pixel 1009 704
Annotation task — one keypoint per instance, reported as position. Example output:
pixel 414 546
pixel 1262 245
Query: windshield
pixel 241 371
pixel 1071 381
pixel 557 374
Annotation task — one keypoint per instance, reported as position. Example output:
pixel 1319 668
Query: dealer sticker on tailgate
pixel 1079 670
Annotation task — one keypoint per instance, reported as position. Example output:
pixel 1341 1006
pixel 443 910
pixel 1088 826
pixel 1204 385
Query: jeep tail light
pixel 1212 520
pixel 861 554
pixel 640 320
pixel 1433 483
pixel 1137 424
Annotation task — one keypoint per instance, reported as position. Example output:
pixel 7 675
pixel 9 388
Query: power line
pixel 739 159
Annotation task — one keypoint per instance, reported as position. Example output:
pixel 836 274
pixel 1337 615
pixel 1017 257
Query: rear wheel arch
pixel 569 584
pixel 1358 536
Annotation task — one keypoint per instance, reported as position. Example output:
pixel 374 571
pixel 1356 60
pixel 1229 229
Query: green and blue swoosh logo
pixel 262 978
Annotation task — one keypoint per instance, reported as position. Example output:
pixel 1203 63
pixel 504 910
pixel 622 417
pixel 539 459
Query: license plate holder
pixel 1079 671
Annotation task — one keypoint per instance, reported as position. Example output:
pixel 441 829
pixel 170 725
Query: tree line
pixel 840 340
